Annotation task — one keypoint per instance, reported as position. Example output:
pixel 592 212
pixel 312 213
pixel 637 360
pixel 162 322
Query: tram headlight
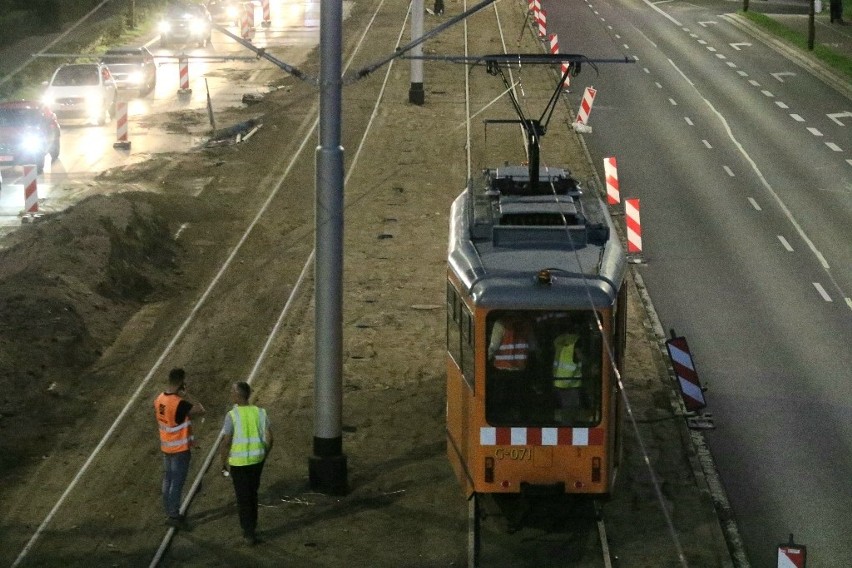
pixel 544 277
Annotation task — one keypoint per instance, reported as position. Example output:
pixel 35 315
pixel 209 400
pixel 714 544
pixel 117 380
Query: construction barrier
pixel 541 18
pixel 30 193
pixel 792 555
pixel 183 66
pixel 554 50
pixel 687 377
pixel 121 125
pixel 247 21
pixel 586 106
pixel 267 19
pixel 634 228
pixel 613 196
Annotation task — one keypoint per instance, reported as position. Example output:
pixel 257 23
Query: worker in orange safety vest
pixel 174 411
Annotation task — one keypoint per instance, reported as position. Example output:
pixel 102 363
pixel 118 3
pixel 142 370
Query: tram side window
pixel 454 324
pixel 544 368
pixel 460 335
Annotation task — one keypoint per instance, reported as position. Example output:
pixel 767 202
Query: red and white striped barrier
pixel 554 50
pixel 267 17
pixel 121 126
pixel 30 190
pixel 792 555
pixel 247 21
pixel 687 376
pixel 613 196
pixel 586 107
pixel 183 70
pixel 541 18
pixel 634 228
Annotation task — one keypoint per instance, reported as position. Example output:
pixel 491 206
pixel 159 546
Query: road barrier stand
pixel 582 122
pixel 31 212
pixel 541 18
pixel 792 555
pixel 121 124
pixel 247 21
pixel 613 196
pixel 183 67
pixel 634 230
pixel 267 19
pixel 691 391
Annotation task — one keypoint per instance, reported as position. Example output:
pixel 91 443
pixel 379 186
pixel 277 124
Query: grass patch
pixel 831 58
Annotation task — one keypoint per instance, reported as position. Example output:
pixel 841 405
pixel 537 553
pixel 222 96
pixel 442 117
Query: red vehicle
pixel 28 131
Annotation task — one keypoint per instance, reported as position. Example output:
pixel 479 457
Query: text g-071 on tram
pixel 536 317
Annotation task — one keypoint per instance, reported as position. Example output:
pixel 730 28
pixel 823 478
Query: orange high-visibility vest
pixel 174 437
pixel 514 350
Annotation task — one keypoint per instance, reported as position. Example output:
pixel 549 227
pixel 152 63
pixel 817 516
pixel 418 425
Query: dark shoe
pixel 250 539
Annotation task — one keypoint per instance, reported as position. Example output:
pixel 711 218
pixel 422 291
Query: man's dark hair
pixel 243 389
pixel 176 376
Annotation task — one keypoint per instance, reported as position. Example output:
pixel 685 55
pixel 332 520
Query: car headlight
pixel 94 103
pixel 231 12
pixel 135 78
pixel 32 143
pixel 197 27
pixel 164 27
pixel 48 99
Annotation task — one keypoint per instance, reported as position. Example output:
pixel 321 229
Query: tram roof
pixel 504 232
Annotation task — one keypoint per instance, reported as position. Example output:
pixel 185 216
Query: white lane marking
pixel 711 48
pixel 702 42
pixel 180 230
pixel 754 204
pixel 720 56
pixel 768 94
pixel 783 74
pixel 849 161
pixel 688 121
pixel 673 102
pixel 834 146
pixel 822 292
pixel 707 23
pixel 796 117
pixel 785 244
pixel 781 104
pixel 732 65
pixel 664 14
pixel 836 116
pixel 742 73
pixel 753 83
pixel 729 171
pixel 648 71
pixel 814 131
pixel 740 45
pixel 626 47
pixel 659 86
pixel 707 144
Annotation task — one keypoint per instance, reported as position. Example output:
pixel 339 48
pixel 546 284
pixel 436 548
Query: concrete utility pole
pixel 327 466
pixel 415 92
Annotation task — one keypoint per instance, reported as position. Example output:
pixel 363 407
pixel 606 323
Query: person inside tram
pixel 511 353
pixel 568 374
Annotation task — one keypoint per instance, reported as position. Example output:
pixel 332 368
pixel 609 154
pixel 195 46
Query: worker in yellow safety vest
pixel 246 441
pixel 567 370
pixel 174 410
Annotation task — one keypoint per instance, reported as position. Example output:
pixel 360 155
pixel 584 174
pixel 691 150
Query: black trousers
pixel 246 483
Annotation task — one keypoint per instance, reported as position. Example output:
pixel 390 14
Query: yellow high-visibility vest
pixel 247 443
pixel 566 371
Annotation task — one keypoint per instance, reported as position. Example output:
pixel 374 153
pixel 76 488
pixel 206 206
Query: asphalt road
pixel 743 164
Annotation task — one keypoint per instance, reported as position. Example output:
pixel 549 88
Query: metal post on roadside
pixel 811 25
pixel 415 91
pixel 327 465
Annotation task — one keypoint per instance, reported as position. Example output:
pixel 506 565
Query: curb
pixel 808 62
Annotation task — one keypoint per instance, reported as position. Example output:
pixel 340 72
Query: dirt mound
pixel 68 283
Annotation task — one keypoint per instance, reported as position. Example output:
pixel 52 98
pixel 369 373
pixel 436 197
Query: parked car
pixel 185 23
pixel 133 68
pixel 85 91
pixel 29 130
pixel 228 11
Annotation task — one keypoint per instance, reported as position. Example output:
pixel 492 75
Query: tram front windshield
pixel 543 369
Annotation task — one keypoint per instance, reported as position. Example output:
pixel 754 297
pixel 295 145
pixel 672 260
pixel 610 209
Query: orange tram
pixel 536 318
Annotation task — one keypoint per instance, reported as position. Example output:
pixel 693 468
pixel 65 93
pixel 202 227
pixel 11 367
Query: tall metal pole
pixel 327 466
pixel 415 91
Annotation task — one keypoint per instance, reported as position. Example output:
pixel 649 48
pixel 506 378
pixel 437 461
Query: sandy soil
pixel 99 301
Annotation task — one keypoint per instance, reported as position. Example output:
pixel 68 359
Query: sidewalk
pixel 835 37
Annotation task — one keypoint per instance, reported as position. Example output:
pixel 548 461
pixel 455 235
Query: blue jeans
pixel 175 470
